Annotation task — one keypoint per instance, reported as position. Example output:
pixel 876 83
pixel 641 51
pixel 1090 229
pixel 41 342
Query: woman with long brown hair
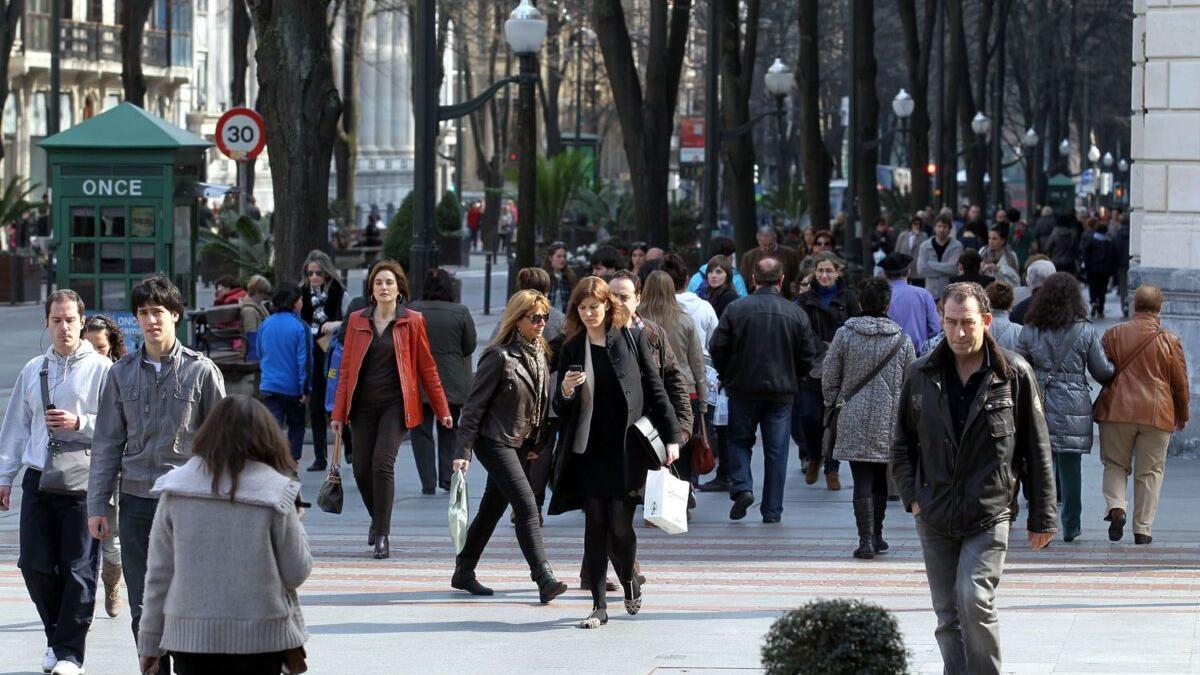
pixel 385 357
pixel 562 278
pixel 607 380
pixel 501 421
pixel 1063 346
pixel 227 551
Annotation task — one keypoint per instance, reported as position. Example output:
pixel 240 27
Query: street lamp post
pixel 981 125
pixel 779 84
pixel 524 32
pixel 1032 169
pixel 902 105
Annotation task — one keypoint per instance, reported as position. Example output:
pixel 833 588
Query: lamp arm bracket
pixel 454 111
pixel 727 134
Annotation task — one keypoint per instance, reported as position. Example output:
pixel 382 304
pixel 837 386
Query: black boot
pixel 880 505
pixel 865 523
pixel 549 587
pixel 464 577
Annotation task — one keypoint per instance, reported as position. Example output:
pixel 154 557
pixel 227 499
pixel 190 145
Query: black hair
pixel 674 266
pixel 874 296
pixel 1013 215
pixel 627 275
pixel 722 246
pixel 229 281
pixel 285 297
pixel 608 257
pixel 1002 230
pixel 970 260
pixel 439 285
pixel 156 290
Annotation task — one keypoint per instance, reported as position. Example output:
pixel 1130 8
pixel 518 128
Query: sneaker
pixel 49 660
pixel 66 668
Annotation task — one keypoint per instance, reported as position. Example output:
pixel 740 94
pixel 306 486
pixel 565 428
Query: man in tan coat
pixel 1138 416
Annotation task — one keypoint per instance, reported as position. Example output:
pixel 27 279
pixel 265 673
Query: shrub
pixel 835 637
pixel 398 240
pixel 447 215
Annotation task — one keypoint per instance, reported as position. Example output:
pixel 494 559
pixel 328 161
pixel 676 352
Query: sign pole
pixel 243 174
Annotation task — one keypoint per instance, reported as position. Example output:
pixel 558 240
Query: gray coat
pixel 937 273
pixel 867 421
pixel 1067 397
pixel 451 332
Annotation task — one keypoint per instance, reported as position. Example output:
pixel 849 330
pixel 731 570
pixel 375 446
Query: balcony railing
pixel 102 42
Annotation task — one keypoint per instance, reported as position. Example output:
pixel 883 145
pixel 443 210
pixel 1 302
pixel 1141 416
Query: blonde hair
pixel 658 301
pixel 518 306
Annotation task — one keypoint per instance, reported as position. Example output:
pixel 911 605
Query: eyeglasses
pixel 538 318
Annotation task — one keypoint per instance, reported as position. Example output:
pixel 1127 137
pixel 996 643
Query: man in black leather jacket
pixel 761 349
pixel 970 413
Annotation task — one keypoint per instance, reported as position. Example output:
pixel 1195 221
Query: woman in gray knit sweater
pixel 216 603
pixel 869 354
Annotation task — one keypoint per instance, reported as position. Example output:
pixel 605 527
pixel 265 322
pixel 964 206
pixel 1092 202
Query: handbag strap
pixel 1136 353
pixel 1065 349
pixel 878 369
pixel 334 466
pixel 43 377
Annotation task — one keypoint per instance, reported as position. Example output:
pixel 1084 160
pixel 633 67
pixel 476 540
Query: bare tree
pixel 301 105
pixel 867 119
pixel 550 85
pixel 816 160
pixel 345 148
pixel 737 80
pixel 918 46
pixel 478 35
pixel 646 107
pixel 133 24
pixel 10 18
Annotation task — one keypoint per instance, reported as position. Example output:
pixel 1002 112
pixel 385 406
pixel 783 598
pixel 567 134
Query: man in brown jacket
pixel 1137 418
pixel 769 247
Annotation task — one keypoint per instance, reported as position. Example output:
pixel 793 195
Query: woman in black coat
pixel 321 297
pixel 606 381
pixel 717 287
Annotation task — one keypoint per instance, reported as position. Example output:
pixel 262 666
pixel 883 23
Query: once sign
pixel 112 187
pixel 240 134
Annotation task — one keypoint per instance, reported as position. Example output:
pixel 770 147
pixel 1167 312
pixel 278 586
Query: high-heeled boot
pixel 549 587
pixel 880 505
pixel 865 522
pixel 464 577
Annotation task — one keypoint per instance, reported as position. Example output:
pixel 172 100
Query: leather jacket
pixel 501 405
pixel 763 346
pixel 1153 386
pixel 414 361
pixel 965 486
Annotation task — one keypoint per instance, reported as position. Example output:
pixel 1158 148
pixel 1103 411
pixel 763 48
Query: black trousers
pixel 506 484
pixel 433 464
pixel 1098 289
pixel 380 431
pixel 538 470
pixel 289 413
pixel 269 663
pixel 870 479
pixel 608 530
pixel 58 561
pixel 316 405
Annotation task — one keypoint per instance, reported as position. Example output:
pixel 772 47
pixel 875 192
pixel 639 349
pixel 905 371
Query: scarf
pixel 827 294
pixel 533 358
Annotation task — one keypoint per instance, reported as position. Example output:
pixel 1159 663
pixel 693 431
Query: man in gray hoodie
pixel 58 559
pixel 153 402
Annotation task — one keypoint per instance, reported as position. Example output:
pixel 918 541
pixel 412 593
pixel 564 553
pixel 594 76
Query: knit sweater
pixel 221 575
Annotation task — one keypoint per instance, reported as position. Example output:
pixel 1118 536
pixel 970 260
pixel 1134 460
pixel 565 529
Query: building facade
pixel 1165 188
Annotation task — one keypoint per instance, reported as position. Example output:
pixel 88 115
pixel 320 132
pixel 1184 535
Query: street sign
pixel 241 134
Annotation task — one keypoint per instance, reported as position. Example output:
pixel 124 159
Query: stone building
pixel 1165 190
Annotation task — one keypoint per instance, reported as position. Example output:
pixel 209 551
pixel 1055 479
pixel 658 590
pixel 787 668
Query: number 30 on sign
pixel 240 134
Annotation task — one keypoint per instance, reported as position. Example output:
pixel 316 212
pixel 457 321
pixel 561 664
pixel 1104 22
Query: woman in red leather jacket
pixel 384 357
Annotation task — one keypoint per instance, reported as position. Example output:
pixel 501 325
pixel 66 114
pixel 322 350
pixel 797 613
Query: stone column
pixel 403 122
pixel 1165 181
pixel 388 66
pixel 368 97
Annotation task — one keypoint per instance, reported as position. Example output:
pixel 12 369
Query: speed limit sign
pixel 240 134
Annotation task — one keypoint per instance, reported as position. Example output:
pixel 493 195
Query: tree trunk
pixel 10 18
pixel 737 71
pixel 815 156
pixel 553 82
pixel 646 119
pixel 301 106
pixel 917 49
pixel 240 44
pixel 950 105
pixel 345 150
pixel 867 121
pixel 970 102
pixel 489 124
pixel 133 24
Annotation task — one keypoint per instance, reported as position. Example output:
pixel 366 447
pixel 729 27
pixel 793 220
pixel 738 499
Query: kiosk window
pixel 83 221
pixel 112 293
pixel 141 259
pixel 141 222
pixel 112 221
pixel 86 288
pixel 112 258
pixel 83 257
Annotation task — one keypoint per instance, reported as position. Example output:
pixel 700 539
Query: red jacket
pixel 413 359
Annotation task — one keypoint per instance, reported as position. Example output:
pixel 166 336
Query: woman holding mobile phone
pixel 502 419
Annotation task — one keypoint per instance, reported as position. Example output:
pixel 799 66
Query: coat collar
pixel 258 485
pixel 401 312
pixel 993 359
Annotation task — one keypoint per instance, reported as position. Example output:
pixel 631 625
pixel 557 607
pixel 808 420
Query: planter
pixel 452 250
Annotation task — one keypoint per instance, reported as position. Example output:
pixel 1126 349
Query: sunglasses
pixel 316 273
pixel 823 243
pixel 538 318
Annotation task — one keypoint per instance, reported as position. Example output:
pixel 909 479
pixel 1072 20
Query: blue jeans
pixel 289 412
pixel 775 419
pixel 808 428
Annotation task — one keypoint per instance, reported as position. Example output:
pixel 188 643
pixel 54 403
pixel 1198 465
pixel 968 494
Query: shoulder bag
pixel 643 432
pixel 68 463
pixel 1061 356
pixel 829 437
pixel 330 498
pixel 1136 353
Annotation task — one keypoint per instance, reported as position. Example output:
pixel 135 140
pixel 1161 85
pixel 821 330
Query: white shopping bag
pixel 666 501
pixel 721 415
pixel 460 517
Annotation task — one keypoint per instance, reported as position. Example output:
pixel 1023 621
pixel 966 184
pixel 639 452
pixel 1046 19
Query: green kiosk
pixel 1060 194
pixel 125 186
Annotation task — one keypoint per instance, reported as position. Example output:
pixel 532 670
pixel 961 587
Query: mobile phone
pixel 575 369
pixel 51 407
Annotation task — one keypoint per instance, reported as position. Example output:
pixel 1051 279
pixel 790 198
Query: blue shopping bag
pixel 333 368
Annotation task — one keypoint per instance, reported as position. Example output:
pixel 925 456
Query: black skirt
pixel 601 471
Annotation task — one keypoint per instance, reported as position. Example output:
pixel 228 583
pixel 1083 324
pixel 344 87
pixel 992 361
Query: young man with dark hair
pixel 970 414
pixel 152 403
pixel 606 260
pixel 285 358
pixel 969 264
pixel 53 408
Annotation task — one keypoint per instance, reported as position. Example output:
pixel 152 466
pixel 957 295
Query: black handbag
pixel 331 497
pixel 68 463
pixel 829 436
